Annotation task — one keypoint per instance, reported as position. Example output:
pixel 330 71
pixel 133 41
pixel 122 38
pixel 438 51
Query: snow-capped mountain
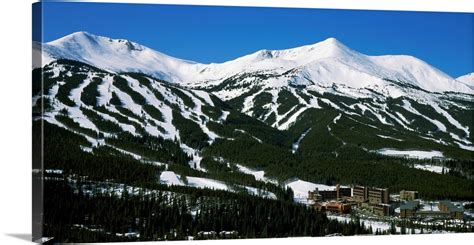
pixel 326 62
pixel 367 99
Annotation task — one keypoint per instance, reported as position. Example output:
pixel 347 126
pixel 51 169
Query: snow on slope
pixel 171 178
pixel 296 145
pixel 259 175
pixel 467 79
pixel 408 107
pixel 432 168
pixel 411 153
pixel 115 55
pixel 326 62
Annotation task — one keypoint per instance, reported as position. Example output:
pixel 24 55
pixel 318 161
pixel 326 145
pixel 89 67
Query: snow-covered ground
pixel 410 153
pixel 388 137
pixel 375 224
pixel 259 174
pixel 382 226
pixel 171 178
pixel 206 183
pixel 407 106
pixel 432 168
pixel 296 145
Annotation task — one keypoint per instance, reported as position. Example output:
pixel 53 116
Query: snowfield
pixel 259 175
pixel 432 168
pixel 410 153
pixel 171 178
pixel 327 62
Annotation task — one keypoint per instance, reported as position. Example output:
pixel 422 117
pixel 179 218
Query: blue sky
pixel 216 34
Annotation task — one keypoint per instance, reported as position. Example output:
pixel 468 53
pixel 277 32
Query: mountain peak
pixel 331 41
pixel 81 33
pixel 83 38
pixel 331 44
pixel 75 36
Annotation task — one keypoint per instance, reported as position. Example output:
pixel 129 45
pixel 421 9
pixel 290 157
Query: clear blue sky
pixel 216 34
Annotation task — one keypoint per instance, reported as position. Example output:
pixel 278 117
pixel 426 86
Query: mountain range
pixel 276 111
pixel 326 62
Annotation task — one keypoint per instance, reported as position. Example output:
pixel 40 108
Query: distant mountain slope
pixel 467 79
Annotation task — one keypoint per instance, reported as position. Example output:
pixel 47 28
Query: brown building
pixel 449 207
pixel 408 195
pixel 378 195
pixel 314 195
pixel 335 194
pixel 338 207
pixel 343 192
pixel 328 195
pixel 359 194
pixel 381 209
pixel 335 207
pixel 319 206
pixel 408 209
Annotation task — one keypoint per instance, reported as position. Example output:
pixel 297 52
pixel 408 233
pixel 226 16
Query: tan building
pixel 327 195
pixel 334 206
pixel 408 209
pixel 378 195
pixel 381 209
pixel 338 207
pixel 314 195
pixel 408 195
pixel 359 194
pixel 449 207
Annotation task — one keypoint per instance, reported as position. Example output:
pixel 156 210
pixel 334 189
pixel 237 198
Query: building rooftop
pixel 409 205
pixel 451 207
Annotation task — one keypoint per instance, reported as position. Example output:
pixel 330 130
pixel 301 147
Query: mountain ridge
pixel 120 55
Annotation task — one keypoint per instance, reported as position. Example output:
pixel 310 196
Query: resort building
pixel 378 195
pixel 445 209
pixel 408 195
pixel 451 209
pixel 381 209
pixel 409 209
pixel 337 193
pixel 360 194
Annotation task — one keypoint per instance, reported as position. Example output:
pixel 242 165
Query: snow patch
pixel 410 153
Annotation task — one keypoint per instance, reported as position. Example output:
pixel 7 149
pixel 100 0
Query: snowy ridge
pixel 325 63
